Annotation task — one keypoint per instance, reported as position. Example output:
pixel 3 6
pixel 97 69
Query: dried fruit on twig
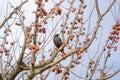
pixel 37 1
pixel 71 37
pixel 81 12
pixel 38 13
pixel 92 62
pixel 79 56
pixel 84 6
pixel 35 48
pixel 115 48
pixel 18 23
pixel 62 54
pixel 28 41
pixel 81 50
pixel 73 10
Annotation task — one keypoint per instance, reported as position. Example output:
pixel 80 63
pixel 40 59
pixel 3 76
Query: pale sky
pixel 106 24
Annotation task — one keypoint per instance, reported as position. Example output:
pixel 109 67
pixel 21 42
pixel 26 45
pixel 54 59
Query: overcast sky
pixel 106 24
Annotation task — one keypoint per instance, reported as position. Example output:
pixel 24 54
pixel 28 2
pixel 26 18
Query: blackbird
pixel 57 41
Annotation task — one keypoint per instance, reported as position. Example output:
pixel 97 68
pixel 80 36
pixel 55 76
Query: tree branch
pixel 19 63
pixel 17 8
pixel 108 8
pixel 110 76
pixel 97 8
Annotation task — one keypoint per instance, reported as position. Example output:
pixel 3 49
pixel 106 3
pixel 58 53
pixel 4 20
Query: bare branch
pixel 17 8
pixel 97 8
pixel 108 8
pixel 110 76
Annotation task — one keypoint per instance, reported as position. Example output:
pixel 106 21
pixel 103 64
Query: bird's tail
pixel 62 50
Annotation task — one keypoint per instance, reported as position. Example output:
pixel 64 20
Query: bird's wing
pixel 60 41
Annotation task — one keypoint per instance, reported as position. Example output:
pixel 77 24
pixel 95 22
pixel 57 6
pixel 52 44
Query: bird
pixel 57 41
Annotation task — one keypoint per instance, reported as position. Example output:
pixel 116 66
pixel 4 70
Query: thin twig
pixel 17 8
